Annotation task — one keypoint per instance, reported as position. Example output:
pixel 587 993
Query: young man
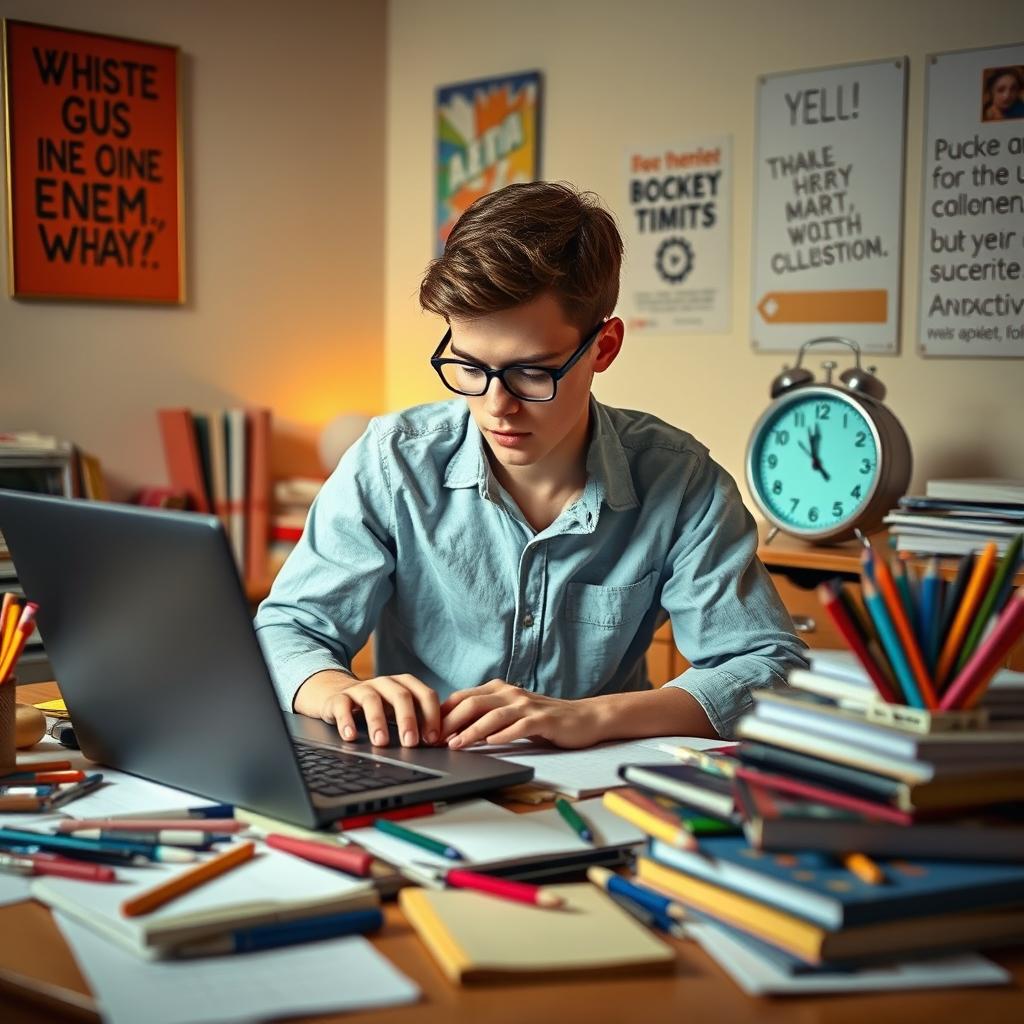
pixel 516 548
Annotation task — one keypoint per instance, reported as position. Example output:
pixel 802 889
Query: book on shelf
pixel 995 490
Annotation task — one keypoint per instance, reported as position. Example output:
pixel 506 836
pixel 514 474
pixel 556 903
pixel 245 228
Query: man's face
pixel 520 433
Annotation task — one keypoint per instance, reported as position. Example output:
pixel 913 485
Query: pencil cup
pixel 8 755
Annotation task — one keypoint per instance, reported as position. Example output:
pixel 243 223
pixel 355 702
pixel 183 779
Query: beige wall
pixel 620 73
pixel 284 137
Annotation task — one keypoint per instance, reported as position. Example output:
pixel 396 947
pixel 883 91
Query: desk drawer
pixel 811 620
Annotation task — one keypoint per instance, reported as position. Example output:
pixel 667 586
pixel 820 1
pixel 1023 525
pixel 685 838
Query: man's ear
pixel 609 344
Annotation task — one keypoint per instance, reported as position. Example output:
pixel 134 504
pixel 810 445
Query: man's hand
pixel 336 697
pixel 498 712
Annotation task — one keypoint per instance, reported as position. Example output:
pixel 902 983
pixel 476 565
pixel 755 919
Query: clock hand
pixel 804 448
pixel 815 438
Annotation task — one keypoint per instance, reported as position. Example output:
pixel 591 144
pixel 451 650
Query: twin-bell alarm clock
pixel 827 459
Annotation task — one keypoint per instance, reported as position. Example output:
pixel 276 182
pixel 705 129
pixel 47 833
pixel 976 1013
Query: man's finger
pixel 401 700
pixel 339 710
pixel 469 711
pixel 428 704
pixel 455 699
pixel 373 711
pixel 494 721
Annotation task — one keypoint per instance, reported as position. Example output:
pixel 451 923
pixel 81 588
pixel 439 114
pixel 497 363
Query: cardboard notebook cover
pixel 479 938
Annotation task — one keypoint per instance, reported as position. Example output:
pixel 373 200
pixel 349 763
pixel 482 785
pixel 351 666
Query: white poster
pixel 677 229
pixel 972 220
pixel 829 206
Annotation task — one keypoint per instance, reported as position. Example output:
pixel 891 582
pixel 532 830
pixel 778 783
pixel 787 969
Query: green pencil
pixel 423 842
pixel 989 605
pixel 573 820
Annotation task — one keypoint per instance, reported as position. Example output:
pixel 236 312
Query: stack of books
pixel 292 500
pixel 956 517
pixel 221 462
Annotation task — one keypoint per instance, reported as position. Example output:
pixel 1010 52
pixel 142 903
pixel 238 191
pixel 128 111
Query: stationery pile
pixel 956 516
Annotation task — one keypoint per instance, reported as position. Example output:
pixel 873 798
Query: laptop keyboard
pixel 335 773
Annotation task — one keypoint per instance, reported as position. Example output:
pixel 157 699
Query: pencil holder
pixel 899 716
pixel 8 756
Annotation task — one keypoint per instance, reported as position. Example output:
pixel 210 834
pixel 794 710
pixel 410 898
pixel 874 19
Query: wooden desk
pixel 33 952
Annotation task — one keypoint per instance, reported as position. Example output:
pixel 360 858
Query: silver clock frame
pixel 895 462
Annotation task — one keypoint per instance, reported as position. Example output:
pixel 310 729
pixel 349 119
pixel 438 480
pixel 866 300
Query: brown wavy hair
pixel 513 245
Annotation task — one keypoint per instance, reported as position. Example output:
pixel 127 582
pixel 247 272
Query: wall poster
pixel 676 223
pixel 488 136
pixel 93 166
pixel 972 217
pixel 828 215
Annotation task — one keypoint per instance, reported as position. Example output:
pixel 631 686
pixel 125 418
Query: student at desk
pixel 516 548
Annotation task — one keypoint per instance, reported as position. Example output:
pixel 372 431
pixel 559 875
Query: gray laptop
pixel 145 622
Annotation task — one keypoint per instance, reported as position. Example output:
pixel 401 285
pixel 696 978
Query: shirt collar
pixel 608 474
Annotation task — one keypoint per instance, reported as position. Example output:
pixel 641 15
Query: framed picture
pixel 94 166
pixel 488 136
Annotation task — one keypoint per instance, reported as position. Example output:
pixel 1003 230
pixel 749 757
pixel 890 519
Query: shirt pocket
pixel 610 607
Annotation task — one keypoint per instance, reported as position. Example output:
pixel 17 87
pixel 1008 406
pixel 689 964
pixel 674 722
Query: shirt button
pixel 527 620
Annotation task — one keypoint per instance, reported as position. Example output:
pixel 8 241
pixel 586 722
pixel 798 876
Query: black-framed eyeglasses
pixel 527 382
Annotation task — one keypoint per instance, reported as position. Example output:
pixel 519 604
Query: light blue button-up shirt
pixel 413 536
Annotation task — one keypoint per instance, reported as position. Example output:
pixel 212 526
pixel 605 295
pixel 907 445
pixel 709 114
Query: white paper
pixel 486 833
pixel 757 976
pixel 13 888
pixel 587 772
pixel 321 977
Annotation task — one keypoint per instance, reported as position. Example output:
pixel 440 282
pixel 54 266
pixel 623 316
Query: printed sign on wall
pixel 95 207
pixel 829 206
pixel 488 136
pixel 677 224
pixel 972 222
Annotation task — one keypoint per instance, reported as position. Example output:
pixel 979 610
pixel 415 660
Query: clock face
pixel 814 462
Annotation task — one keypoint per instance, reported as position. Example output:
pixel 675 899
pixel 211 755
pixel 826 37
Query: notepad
pixel 271 887
pixel 475 937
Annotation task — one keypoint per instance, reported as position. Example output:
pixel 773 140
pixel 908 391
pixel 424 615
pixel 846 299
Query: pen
pixel 649 917
pixel 188 880
pixel 352 858
pixel 27 790
pixel 503 888
pixel 572 818
pixel 398 814
pixel 219 825
pixel 416 839
pixel 73 792
pixel 80 849
pixel 37 766
pixel 287 933
pixel 213 811
pixel 640 894
pixel 46 864
pixel 164 837
pixel 55 777
pixel 864 868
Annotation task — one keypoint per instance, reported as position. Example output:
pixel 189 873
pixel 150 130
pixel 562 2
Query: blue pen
pixel 85 849
pixel 16 789
pixel 639 894
pixel 286 933
pixel 213 811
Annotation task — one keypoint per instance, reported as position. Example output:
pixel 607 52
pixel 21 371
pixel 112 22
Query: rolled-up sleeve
pixel 727 618
pixel 327 597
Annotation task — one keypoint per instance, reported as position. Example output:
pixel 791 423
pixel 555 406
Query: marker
pixel 416 839
pixel 46 864
pixel 164 837
pixel 640 894
pixel 287 933
pixel 37 766
pixel 503 888
pixel 80 849
pixel 572 818
pixel 352 859
pixel 39 777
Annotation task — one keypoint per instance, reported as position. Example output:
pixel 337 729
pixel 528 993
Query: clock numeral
pixel 812 514
pixel 773 461
pixel 856 492
pixel 861 438
pixel 822 411
pixel 837 510
pixel 795 502
pixel 846 420
pixel 777 487
pixel 782 437
pixel 799 419
pixel 865 466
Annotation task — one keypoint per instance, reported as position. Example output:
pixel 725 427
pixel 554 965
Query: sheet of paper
pixel 587 772
pixel 13 888
pixel 487 833
pixel 757 976
pixel 321 977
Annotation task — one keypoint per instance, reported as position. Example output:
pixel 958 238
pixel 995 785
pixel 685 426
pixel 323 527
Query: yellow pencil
pixel 864 868
pixel 975 591
pixel 643 812
pixel 11 613
pixel 8 600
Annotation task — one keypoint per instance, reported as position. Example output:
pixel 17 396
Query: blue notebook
pixel 816 887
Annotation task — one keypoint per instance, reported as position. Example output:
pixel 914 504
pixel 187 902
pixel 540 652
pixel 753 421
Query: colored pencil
pixel 407 835
pixel 16 644
pixel 217 825
pixel 8 600
pixel 883 579
pixel 1004 595
pixel 837 612
pixel 397 814
pixel 9 624
pixel 503 888
pixel 59 867
pixel 1004 571
pixel 187 880
pixel 79 849
pixel 38 766
pixel 966 690
pixel 35 778
pixel 649 817
pixel 572 818
pixel 879 612
pixel 162 837
pixel 929 614
pixel 352 859
pixel 954 595
pixel 864 868
pixel 973 596
pixel 859 616
pixel 647 898
pixel 902 575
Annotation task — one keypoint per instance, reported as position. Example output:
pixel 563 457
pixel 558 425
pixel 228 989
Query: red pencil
pixel 838 614
pixel 966 690
pixel 503 888
pixel 398 814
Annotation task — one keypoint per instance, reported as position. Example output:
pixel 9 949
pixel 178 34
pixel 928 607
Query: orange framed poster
pixel 94 166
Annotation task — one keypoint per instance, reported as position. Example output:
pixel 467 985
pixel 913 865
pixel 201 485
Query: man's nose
pixel 499 400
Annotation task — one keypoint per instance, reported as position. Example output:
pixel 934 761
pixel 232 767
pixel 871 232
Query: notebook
pixel 475 937
pixel 273 886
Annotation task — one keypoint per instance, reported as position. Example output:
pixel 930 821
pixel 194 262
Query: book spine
pixel 181 453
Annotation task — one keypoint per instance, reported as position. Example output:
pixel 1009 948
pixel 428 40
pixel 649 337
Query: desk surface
pixel 31 948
